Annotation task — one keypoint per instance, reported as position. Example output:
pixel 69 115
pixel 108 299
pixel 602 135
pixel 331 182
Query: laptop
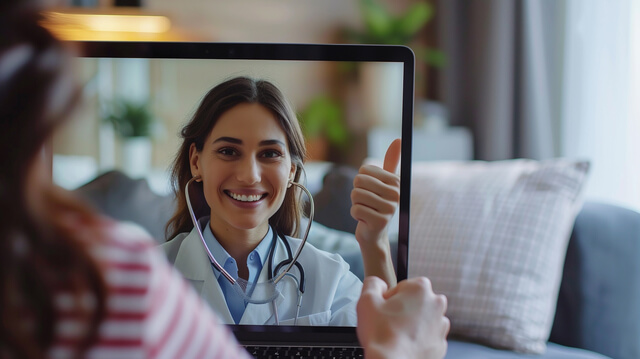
pixel 371 85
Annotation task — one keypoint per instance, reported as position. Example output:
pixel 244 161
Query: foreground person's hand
pixel 406 321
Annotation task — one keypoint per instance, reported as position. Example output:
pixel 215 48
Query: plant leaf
pixel 377 20
pixel 434 57
pixel 323 117
pixel 130 119
pixel 418 15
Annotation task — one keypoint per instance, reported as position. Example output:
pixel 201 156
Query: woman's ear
pixel 292 174
pixel 194 160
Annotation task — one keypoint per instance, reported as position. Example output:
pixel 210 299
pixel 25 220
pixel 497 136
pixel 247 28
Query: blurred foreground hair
pixel 42 253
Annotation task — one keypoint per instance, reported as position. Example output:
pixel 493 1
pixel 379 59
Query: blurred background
pixel 494 79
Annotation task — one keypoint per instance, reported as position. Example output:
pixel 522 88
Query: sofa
pixel 598 308
pixel 598 305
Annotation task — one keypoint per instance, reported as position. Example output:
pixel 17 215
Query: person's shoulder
pixel 331 264
pixel 171 247
pixel 177 240
pixel 120 242
pixel 310 250
pixel 127 235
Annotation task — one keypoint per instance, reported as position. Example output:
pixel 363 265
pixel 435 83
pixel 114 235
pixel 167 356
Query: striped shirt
pixel 151 311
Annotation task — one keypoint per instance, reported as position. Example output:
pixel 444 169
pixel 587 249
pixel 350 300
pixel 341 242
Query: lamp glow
pixel 113 22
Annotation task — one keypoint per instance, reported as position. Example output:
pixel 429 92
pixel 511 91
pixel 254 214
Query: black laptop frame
pixel 289 335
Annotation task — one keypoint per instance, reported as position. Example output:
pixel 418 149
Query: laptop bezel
pixel 298 335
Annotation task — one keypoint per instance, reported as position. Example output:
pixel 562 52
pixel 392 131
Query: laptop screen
pixel 351 102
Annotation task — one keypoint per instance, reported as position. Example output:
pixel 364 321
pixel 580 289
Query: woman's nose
pixel 249 171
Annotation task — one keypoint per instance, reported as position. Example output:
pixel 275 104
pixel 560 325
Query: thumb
pixel 392 157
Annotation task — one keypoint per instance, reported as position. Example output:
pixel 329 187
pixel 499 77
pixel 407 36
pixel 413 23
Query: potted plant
pixel 130 119
pixel 323 126
pixel 383 27
pixel 378 82
pixel 133 122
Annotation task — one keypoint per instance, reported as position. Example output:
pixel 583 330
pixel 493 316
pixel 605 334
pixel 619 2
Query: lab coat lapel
pixel 262 313
pixel 192 261
pixel 212 294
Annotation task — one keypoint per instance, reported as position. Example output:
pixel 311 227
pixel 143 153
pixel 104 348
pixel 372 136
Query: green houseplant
pixel 322 122
pixel 381 26
pixel 133 122
pixel 130 119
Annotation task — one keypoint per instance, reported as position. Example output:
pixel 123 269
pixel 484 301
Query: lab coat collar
pixel 222 256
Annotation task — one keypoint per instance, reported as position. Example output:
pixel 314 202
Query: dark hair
pixel 40 253
pixel 217 101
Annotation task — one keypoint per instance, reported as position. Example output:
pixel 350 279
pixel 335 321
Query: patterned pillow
pixel 492 237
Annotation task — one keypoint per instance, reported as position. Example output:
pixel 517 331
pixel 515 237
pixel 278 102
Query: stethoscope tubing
pixel 271 270
pixel 195 224
pixel 306 233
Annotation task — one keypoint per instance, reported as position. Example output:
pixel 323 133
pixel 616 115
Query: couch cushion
pixel 465 350
pixel 333 201
pixel 117 195
pixel 492 236
pixel 598 305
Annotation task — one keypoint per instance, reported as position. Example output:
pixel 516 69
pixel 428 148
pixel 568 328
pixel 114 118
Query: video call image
pixel 125 146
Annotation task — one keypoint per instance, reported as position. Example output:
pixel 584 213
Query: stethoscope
pixel 290 262
pixel 300 283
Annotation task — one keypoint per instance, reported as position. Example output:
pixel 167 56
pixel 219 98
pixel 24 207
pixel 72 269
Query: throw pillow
pixel 492 237
pixel 117 195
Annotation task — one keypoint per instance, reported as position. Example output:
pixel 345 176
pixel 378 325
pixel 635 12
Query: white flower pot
pixel 381 90
pixel 136 156
pixel 107 146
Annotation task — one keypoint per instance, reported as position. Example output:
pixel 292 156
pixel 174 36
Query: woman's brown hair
pixel 217 101
pixel 41 254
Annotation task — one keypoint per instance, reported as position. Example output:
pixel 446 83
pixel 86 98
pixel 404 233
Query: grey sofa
pixel 598 312
pixel 599 301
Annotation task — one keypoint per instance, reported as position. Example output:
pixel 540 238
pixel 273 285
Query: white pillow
pixel 492 237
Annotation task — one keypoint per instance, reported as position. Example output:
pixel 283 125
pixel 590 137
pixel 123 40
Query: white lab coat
pixel 330 295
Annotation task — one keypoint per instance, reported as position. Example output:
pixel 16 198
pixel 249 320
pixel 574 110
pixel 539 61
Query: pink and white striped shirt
pixel 151 311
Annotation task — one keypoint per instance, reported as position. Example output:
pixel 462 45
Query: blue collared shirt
pixel 255 262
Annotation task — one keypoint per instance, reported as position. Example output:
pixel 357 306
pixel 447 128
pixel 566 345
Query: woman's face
pixel 245 167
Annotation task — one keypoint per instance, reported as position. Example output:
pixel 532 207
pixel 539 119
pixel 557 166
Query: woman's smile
pixel 244 197
pixel 246 200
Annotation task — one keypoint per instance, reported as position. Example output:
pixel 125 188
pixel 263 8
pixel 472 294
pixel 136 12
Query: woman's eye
pixel 271 154
pixel 227 151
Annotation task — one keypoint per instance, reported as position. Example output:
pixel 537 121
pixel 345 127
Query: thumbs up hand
pixel 374 198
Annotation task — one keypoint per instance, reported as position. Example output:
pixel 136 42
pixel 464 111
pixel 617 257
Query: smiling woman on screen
pixel 239 169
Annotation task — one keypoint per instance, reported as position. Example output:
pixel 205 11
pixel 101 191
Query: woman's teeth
pixel 244 197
